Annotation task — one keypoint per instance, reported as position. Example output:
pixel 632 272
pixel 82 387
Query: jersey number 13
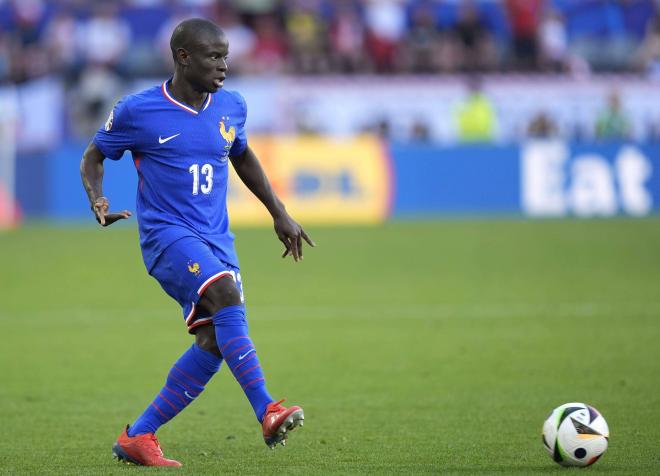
pixel 207 171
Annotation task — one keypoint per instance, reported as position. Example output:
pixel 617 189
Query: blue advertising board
pixel 535 179
pixel 454 180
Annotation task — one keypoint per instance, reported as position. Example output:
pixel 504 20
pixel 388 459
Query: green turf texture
pixel 415 347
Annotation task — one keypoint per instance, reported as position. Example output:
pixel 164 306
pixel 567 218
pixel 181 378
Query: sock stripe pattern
pixel 181 384
pixel 224 347
pixel 135 430
pixel 240 354
pixel 189 385
pixel 235 353
pixel 185 381
pixel 192 379
pixel 183 400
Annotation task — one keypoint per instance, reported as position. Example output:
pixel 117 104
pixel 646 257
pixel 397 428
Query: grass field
pixel 435 347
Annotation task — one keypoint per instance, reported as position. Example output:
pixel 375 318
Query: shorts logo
pixel 194 268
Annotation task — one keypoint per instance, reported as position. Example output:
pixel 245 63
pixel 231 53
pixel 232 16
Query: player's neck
pixel 183 92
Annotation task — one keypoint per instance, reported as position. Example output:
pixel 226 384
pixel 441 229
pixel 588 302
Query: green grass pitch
pixel 415 347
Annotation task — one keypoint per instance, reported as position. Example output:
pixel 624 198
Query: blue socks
pixel 185 382
pixel 195 367
pixel 237 349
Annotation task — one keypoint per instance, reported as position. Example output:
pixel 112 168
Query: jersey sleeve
pixel 240 143
pixel 117 134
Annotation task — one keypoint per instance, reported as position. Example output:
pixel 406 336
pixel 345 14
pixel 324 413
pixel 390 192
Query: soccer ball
pixel 575 434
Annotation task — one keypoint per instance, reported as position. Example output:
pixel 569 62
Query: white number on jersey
pixel 207 171
pixel 239 282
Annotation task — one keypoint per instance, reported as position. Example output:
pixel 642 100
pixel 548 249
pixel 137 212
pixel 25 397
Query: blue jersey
pixel 181 156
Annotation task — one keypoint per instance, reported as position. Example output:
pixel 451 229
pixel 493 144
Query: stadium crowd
pixel 97 48
pixel 130 37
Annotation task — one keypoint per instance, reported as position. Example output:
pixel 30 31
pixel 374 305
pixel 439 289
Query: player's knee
pixel 221 293
pixel 205 339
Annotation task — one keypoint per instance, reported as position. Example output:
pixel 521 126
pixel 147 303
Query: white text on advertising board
pixel 555 184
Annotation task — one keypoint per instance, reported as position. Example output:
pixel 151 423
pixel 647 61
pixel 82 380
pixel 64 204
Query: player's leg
pixel 185 381
pixel 222 300
pixel 191 372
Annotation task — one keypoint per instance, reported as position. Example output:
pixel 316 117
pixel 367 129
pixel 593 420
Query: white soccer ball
pixel 575 434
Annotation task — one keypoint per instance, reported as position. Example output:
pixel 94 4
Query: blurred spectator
pixel 347 34
pixel 420 132
pixel 599 32
pixel 542 126
pixel 95 92
pixel 553 41
pixel 307 34
pixel 475 50
pixel 382 129
pixel 60 40
pixel 5 58
pixel 29 15
pixel 386 27
pixel 423 43
pixel 89 42
pixel 242 39
pixel 103 38
pixel 649 50
pixel 612 123
pixel 524 20
pixel 475 118
pixel 256 7
pixel 28 58
pixel 269 54
pixel 319 36
pixel 144 3
pixel 193 3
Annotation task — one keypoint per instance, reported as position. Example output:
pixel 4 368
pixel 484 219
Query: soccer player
pixel 182 134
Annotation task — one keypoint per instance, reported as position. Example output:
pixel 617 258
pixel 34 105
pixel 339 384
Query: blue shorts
pixel 185 269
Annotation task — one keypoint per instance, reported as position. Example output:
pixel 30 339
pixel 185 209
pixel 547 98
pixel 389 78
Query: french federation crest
pixel 227 135
pixel 194 268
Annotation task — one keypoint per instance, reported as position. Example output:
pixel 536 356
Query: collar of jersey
pixel 181 105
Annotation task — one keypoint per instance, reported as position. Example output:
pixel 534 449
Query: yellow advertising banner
pixel 320 180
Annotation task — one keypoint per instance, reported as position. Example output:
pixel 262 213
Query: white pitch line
pixel 366 312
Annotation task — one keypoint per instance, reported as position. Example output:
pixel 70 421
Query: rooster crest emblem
pixel 228 135
pixel 194 268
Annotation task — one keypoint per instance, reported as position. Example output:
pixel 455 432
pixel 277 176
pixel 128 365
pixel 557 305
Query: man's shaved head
pixel 190 33
pixel 200 49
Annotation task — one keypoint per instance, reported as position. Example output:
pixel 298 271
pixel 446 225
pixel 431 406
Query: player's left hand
pixel 101 207
pixel 291 234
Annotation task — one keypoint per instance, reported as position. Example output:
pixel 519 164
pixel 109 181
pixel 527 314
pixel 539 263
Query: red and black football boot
pixel 143 450
pixel 279 421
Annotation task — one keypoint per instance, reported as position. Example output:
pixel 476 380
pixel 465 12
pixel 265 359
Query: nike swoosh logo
pixel 162 141
pixel 188 395
pixel 242 356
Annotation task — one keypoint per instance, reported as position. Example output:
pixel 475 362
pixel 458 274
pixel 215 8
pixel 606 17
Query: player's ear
pixel 182 56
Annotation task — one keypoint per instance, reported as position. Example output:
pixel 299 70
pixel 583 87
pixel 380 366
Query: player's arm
pixel 91 171
pixel 289 232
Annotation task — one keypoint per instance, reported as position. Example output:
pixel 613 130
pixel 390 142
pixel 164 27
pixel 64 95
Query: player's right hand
pixel 100 208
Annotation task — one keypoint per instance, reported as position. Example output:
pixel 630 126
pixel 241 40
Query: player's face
pixel 208 63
